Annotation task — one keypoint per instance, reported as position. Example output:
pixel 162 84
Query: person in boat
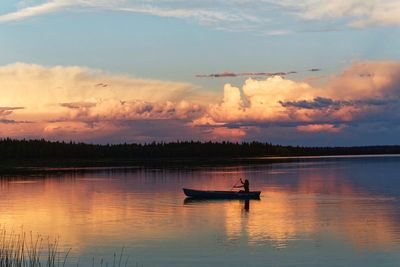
pixel 245 185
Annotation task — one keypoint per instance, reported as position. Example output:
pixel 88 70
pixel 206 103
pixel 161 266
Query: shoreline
pixel 40 166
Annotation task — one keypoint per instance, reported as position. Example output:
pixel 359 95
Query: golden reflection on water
pixel 283 215
pixel 280 219
pixel 83 211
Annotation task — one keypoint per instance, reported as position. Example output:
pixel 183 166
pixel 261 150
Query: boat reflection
pixel 199 201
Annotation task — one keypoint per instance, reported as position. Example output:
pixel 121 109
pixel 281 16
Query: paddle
pixel 235 184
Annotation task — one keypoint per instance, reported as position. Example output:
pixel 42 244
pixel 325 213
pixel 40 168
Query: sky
pixel 312 72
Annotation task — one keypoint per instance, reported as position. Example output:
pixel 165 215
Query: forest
pixel 12 149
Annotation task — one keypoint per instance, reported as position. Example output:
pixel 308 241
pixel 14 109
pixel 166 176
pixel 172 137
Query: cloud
pixel 4 111
pixel 258 100
pixel 78 105
pixel 349 98
pixel 370 79
pixel 42 89
pixel 358 13
pixel 64 103
pixel 6 121
pixel 233 134
pixel 268 17
pixel 38 10
pixel 73 102
pixel 203 13
pixel 114 110
pixel 325 103
pixel 233 74
pixel 332 128
pixel 253 74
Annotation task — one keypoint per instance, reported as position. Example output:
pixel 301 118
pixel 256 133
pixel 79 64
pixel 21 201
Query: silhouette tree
pixel 41 149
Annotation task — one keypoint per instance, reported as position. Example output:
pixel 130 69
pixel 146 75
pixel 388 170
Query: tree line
pixel 41 149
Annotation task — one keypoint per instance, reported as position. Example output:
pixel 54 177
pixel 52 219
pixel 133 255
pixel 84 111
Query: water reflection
pixel 247 205
pixel 311 205
pixel 198 201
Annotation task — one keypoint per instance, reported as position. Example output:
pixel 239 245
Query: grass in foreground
pixel 21 250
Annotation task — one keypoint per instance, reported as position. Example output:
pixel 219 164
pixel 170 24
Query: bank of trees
pixel 42 149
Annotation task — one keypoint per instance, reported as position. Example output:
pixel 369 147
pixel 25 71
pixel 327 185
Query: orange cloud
pixel 228 133
pixel 363 89
pixel 114 109
pixel 320 128
pixel 79 103
pixel 41 89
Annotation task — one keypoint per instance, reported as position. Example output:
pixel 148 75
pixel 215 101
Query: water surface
pixel 314 212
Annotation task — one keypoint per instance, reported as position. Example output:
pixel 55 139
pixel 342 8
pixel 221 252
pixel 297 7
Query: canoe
pixel 205 194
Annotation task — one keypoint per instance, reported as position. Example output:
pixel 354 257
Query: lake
pixel 329 211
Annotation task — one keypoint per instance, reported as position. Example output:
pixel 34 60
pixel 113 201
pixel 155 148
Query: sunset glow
pixel 197 133
pixel 280 220
pixel 237 76
pixel 83 104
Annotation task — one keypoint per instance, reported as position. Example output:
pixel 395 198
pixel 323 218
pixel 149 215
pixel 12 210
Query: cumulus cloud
pixel 117 110
pixel 258 100
pixel 74 103
pixel 42 88
pixel 75 99
pixel 369 79
pixel 239 15
pixel 348 98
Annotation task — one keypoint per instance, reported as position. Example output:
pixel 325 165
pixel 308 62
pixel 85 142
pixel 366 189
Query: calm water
pixel 318 212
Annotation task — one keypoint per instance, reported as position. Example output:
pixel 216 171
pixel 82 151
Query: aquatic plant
pixel 20 250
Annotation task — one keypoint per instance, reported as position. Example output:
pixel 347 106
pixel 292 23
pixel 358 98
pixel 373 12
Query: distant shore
pixel 43 149
pixel 37 156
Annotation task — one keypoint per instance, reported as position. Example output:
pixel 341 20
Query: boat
pixel 206 194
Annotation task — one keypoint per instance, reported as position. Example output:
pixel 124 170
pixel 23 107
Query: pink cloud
pixel 312 128
pixel 252 74
pixel 76 104
pixel 5 111
pixel 363 90
pixel 224 133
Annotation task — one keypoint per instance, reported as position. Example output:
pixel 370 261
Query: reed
pixel 20 250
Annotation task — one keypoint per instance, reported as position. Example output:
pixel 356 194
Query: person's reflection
pixel 247 205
